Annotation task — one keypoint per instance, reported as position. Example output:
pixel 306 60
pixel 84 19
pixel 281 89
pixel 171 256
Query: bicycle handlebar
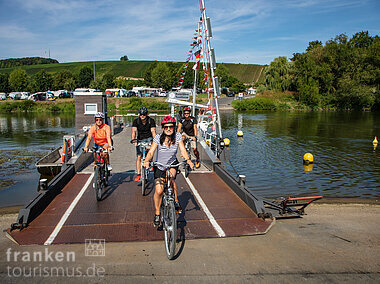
pixel 169 166
pixel 101 150
pixel 140 143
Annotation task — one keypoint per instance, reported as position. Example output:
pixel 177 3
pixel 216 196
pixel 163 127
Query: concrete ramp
pixel 210 210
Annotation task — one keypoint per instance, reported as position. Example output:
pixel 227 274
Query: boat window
pixel 90 108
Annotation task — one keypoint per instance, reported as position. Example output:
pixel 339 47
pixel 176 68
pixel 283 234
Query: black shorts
pixel 162 174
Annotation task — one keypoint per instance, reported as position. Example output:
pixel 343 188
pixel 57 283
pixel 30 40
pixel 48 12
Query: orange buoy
pixel 69 146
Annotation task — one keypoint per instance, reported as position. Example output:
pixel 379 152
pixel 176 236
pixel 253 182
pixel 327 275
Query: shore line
pixel 333 201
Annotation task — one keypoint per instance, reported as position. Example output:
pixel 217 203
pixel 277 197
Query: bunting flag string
pixel 196 42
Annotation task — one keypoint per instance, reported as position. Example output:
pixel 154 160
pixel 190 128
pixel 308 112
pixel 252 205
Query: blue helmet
pixel 143 110
pixel 99 115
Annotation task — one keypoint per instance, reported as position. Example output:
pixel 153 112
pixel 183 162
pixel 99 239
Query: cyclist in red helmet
pixel 144 129
pixel 167 144
pixel 188 126
pixel 102 137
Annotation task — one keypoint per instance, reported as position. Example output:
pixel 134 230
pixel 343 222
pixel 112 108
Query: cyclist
pixel 102 137
pixel 166 144
pixel 188 124
pixel 144 127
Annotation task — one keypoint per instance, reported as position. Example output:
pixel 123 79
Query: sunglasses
pixel 187 112
pixel 168 127
pixel 98 119
pixel 144 114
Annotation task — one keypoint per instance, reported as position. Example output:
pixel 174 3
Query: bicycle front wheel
pixel 98 183
pixel 143 180
pixel 170 229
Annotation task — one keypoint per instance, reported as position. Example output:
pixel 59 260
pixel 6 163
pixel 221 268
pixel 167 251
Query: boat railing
pixel 127 119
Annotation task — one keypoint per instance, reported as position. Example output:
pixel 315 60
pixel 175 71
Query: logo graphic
pixel 95 247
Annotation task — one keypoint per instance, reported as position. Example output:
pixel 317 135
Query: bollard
pixel 43 184
pixel 242 180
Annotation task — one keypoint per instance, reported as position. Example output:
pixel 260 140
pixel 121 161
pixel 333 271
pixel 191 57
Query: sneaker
pixel 156 220
pixel 109 167
pixel 137 178
pixel 197 164
pixel 178 207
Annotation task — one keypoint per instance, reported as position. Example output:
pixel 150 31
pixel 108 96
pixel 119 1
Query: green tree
pixel 97 85
pixel 277 75
pixel 4 84
pixel 162 76
pixel 70 84
pixel 223 74
pixel 43 81
pixel 124 58
pixel 18 80
pixel 108 81
pixel 238 87
pixel 61 78
pixel 361 40
pixel 85 77
pixel 308 91
pixel 148 74
pixel 314 44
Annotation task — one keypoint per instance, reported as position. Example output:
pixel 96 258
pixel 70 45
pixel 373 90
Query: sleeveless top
pixel 166 155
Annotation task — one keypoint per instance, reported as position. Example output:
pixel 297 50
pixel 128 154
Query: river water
pixel 271 151
pixel 26 137
pixel 269 154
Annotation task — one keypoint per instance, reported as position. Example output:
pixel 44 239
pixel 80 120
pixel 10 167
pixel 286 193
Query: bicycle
pixel 144 172
pixel 187 142
pixel 168 212
pixel 101 173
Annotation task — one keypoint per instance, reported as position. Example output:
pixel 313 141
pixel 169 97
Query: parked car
pixel 131 94
pixel 66 94
pixel 15 95
pixel 231 94
pixel 40 96
pixel 24 95
pixel 163 94
pixel 3 96
pixel 50 97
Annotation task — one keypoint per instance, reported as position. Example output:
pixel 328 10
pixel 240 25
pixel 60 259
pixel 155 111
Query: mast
pixel 211 54
pixel 196 72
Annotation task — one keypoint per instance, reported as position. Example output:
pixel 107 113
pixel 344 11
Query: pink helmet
pixel 187 109
pixel 167 119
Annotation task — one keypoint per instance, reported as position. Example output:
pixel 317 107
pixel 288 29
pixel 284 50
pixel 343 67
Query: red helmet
pixel 186 109
pixel 167 119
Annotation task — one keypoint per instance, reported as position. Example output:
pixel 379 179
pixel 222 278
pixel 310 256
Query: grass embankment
pixel 120 105
pixel 60 105
pixel 269 100
pixel 123 105
pixel 247 73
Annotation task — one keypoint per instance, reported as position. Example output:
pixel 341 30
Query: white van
pixel 86 91
pixel 116 93
pixel 3 96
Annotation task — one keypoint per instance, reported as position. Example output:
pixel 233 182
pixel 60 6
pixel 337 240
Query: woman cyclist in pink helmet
pixel 167 144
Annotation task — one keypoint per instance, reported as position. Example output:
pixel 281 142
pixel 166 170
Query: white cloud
pixel 159 29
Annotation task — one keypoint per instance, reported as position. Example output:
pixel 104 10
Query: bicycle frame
pixel 100 171
pixel 188 146
pixel 144 172
pixel 168 214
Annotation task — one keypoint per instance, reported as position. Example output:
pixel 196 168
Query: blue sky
pixel 244 31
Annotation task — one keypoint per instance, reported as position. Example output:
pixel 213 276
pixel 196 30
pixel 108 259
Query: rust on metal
pixel 125 215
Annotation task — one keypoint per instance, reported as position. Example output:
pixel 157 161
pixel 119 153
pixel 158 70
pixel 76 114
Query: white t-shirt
pixel 166 155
